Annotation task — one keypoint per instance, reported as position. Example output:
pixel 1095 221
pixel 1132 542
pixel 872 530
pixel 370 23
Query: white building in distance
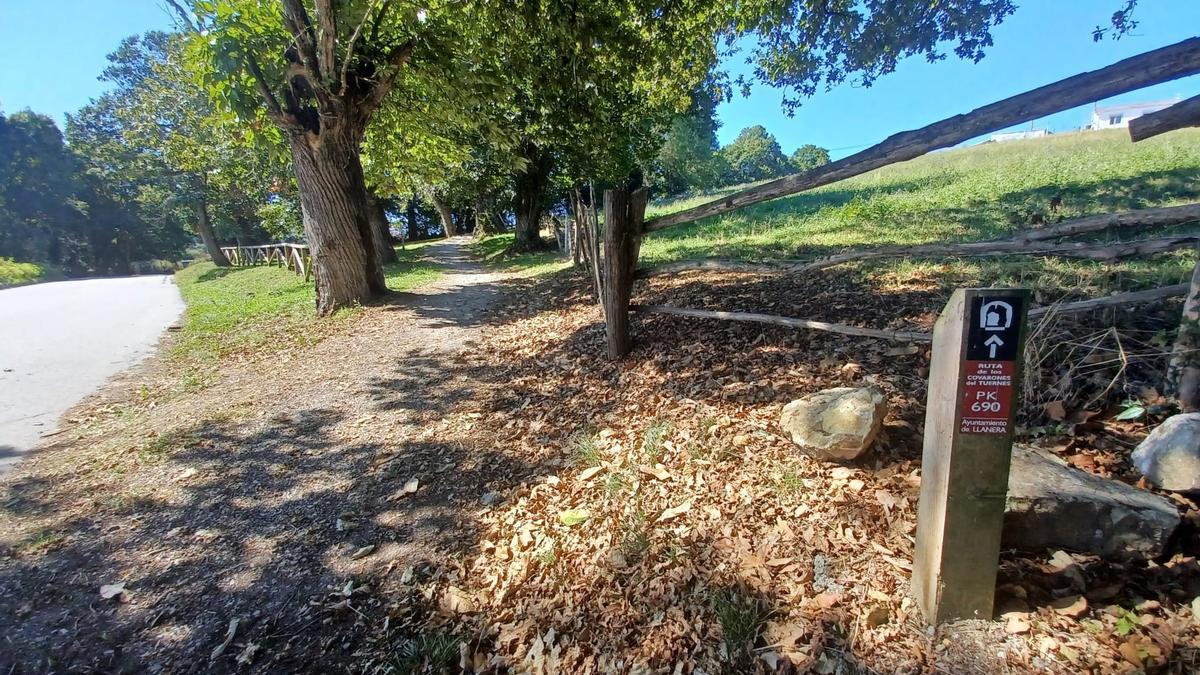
pixel 1118 116
pixel 1018 135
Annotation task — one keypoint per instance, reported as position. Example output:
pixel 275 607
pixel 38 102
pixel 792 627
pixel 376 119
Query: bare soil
pixel 323 510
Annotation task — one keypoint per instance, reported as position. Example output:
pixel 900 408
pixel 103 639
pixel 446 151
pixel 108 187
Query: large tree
pixel 755 155
pixel 320 72
pixel 593 86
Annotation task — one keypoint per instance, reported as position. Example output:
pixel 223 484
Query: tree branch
pixel 295 19
pixel 284 118
pixel 395 62
pixel 183 15
pixel 344 76
pixel 327 39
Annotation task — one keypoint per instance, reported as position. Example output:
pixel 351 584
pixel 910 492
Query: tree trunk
pixel 334 197
pixel 486 221
pixel 527 199
pixel 205 229
pixel 1183 373
pixel 380 231
pixel 624 212
pixel 446 216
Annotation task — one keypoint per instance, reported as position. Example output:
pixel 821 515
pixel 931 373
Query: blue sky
pixel 55 49
pixel 1044 41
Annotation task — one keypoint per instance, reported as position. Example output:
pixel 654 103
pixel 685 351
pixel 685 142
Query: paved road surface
pixel 60 341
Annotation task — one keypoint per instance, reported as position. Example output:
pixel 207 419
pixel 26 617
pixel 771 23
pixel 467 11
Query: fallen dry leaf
pixel 675 512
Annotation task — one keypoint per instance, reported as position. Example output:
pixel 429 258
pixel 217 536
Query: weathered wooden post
pixel 1183 372
pixel 624 213
pixel 974 391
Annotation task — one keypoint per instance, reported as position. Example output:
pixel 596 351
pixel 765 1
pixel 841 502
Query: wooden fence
pixel 295 257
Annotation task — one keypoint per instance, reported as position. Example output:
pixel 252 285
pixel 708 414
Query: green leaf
pixel 572 517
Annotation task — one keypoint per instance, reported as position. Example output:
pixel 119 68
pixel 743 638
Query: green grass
pixel 242 310
pixel 493 250
pixel 13 273
pixel 966 194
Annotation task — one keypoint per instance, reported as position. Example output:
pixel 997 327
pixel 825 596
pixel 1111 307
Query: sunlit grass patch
pixel 976 193
pixel 494 251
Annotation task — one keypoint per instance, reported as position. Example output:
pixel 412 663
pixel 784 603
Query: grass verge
pixel 235 311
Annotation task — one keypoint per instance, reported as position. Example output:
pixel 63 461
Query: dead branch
pixel 1130 298
pixel 1154 67
pixel 903 335
pixel 898 335
pixel 1179 116
pixel 987 249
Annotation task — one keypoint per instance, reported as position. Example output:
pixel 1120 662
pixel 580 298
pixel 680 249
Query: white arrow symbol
pixel 993 343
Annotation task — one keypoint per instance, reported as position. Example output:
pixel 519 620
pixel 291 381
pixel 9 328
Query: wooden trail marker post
pixel 974 391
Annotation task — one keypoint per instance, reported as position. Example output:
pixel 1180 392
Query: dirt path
pixel 293 498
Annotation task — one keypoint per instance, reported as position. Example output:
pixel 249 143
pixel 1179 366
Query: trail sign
pixel 974 382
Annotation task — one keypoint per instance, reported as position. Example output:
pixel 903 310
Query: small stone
pixel 1054 506
pixel 1170 456
pixel 491 499
pixel 835 424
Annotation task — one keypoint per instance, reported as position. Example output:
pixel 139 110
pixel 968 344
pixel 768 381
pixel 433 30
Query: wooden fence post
pixel 974 385
pixel 1183 372
pixel 624 213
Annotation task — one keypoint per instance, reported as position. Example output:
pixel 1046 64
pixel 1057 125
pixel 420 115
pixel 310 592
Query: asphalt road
pixel 60 341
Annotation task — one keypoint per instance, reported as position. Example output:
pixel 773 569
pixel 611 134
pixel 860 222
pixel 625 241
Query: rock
pixel 1170 455
pixel 491 498
pixel 835 424
pixel 1055 506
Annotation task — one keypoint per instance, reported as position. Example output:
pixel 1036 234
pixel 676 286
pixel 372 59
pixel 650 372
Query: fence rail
pixel 295 257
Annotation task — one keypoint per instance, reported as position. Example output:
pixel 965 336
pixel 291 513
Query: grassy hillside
pixel 974 193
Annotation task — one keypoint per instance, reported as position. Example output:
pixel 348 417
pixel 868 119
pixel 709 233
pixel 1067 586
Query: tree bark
pixel 205 229
pixel 1154 67
pixel 623 215
pixel 445 214
pixel 334 198
pixel 527 199
pixel 380 231
pixel 1183 372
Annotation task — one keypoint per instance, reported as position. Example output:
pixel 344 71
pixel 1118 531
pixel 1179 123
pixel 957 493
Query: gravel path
pixel 259 498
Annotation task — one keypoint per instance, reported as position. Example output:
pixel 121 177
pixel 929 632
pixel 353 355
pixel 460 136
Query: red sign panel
pixel 987 397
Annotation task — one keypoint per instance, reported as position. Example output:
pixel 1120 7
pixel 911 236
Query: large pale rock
pixel 1170 455
pixel 838 424
pixel 1055 506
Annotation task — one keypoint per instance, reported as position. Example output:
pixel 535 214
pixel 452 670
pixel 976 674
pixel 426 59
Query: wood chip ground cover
pixel 477 487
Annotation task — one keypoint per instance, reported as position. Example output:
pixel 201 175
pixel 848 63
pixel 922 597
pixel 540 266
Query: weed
pixel 433 652
pixel 156 449
pixel 548 556
pixel 39 541
pixel 635 536
pixel 586 449
pixel 614 484
pixel 789 482
pixel 742 620
pixel 652 440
